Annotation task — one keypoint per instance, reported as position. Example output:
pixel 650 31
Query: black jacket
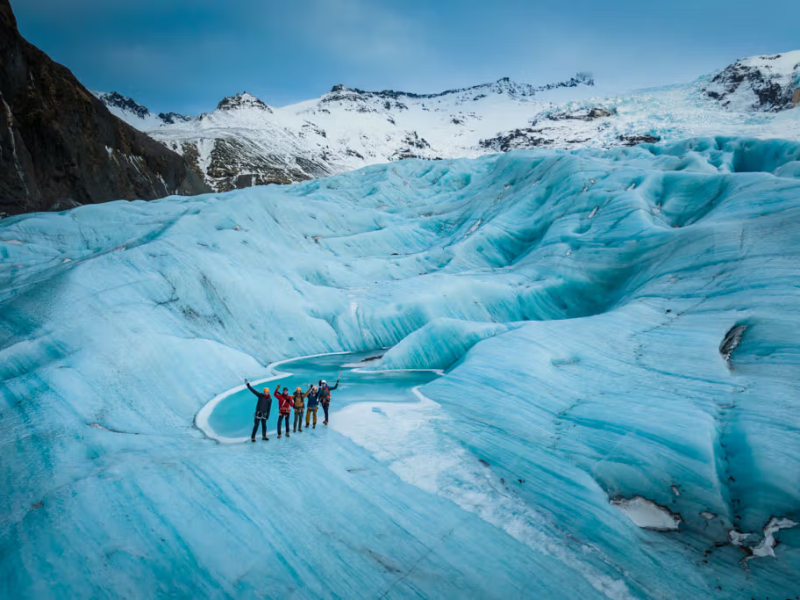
pixel 264 405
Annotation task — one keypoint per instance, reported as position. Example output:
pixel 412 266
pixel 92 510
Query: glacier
pixel 616 338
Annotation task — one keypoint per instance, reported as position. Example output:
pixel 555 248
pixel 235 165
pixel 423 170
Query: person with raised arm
pixel 263 408
pixel 285 408
pixel 313 405
pixel 325 396
pixel 299 408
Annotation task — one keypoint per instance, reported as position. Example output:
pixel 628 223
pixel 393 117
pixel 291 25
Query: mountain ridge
pixel 348 127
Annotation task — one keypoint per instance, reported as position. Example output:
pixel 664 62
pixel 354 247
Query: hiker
pixel 299 408
pixel 285 409
pixel 263 408
pixel 325 396
pixel 313 405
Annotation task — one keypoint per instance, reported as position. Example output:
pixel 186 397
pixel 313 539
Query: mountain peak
pixel 123 103
pixel 243 100
pixel 757 83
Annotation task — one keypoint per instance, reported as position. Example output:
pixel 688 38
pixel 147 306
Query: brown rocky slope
pixel 61 147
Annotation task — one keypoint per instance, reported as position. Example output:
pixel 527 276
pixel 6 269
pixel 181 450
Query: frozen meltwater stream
pixel 399 436
pixel 228 418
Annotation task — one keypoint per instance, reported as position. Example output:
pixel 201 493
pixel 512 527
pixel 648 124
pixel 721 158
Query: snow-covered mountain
pixel 246 142
pixel 137 115
pixel 759 83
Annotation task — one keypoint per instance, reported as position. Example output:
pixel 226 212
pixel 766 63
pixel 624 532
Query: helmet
pixel 266 390
pixel 299 389
pixel 324 382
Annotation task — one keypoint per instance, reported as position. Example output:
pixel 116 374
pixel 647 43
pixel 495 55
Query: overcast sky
pixel 186 55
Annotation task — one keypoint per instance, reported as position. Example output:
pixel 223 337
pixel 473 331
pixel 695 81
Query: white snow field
pixel 245 142
pixel 620 337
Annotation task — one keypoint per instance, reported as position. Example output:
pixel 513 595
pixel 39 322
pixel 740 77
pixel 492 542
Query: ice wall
pixel 581 299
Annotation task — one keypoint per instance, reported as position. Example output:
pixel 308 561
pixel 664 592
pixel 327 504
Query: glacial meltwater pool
pixel 228 418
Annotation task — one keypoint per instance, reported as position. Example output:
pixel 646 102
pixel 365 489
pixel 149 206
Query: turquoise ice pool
pixel 229 417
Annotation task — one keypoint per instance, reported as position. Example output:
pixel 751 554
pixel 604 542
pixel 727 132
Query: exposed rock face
pixel 171 118
pixel 236 163
pixel 414 147
pixel 124 103
pixel 61 147
pixel 759 83
pixel 635 139
pixel 243 100
pixel 583 114
pixel 517 139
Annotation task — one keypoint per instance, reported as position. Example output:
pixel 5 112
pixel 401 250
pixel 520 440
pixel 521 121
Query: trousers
pixel 298 420
pixel 283 417
pixel 263 428
pixel 308 416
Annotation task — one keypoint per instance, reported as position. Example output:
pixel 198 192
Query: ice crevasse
pixel 618 418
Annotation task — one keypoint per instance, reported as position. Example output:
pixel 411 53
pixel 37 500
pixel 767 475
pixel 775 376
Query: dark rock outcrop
pixel 243 100
pixel 125 103
pixel 171 118
pixel 634 139
pixel 583 114
pixel 414 146
pixel 61 147
pixel 754 84
pixel 517 139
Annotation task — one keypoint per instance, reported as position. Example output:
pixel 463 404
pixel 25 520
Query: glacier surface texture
pixel 618 417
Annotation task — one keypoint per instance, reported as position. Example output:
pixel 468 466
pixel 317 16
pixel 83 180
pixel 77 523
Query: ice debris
pixel 647 514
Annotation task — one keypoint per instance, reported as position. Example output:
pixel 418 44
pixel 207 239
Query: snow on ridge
pixel 245 142
pixel 504 85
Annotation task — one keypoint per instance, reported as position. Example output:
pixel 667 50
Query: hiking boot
pixel 265 438
pixel 300 430
pixel 279 436
pixel 252 439
pixel 315 426
pixel 324 422
pixel 287 434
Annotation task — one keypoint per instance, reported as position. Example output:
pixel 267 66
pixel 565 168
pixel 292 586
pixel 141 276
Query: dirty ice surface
pixel 612 325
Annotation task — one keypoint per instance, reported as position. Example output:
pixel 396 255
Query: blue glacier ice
pixel 617 415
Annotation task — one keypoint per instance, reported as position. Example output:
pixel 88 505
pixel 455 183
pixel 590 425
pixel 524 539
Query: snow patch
pixel 647 514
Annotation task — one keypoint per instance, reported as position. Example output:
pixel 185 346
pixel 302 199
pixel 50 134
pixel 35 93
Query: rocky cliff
pixel 61 147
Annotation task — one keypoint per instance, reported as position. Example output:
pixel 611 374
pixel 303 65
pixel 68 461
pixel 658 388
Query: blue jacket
pixel 313 399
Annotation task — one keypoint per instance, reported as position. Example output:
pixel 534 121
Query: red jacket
pixel 286 403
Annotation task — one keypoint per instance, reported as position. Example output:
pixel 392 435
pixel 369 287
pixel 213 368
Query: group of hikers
pixel 316 395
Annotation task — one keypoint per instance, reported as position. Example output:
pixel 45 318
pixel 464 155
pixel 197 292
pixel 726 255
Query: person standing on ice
pixel 263 408
pixel 325 397
pixel 285 408
pixel 299 408
pixel 313 405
